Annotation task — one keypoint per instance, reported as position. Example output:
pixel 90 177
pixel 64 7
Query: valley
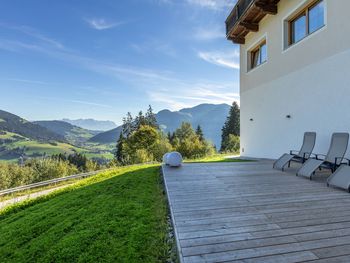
pixel 20 138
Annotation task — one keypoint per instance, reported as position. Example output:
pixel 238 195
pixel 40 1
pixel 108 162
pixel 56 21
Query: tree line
pixel 141 139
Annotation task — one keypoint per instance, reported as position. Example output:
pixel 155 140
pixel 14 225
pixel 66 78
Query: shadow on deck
pixel 248 212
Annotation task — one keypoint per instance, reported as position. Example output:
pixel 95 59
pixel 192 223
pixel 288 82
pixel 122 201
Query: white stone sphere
pixel 165 158
pixel 174 159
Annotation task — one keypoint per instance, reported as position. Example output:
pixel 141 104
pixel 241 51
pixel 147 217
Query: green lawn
pixel 35 147
pixel 218 158
pixel 118 216
pixel 10 135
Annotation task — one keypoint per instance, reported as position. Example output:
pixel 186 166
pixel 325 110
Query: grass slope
pixel 217 158
pixel 16 124
pixel 34 148
pixel 118 216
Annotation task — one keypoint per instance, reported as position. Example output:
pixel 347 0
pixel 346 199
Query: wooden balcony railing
pixel 245 18
pixel 236 13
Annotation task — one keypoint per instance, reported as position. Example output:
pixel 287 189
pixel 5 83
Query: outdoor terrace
pixel 248 212
pixel 245 18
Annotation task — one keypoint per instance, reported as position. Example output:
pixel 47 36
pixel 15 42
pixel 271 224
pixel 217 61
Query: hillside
pixel 72 133
pixel 210 117
pixel 15 124
pixel 21 138
pixel 92 125
pixel 105 218
pixel 107 137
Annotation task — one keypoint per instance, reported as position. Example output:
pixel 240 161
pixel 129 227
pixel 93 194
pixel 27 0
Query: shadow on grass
pixel 118 216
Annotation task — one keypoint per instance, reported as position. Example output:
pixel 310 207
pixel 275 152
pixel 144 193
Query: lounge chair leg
pixel 289 164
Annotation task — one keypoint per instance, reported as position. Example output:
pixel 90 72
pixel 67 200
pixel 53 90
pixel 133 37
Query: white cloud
pixel 224 59
pixel 29 81
pixel 29 31
pixel 83 102
pixel 176 99
pixel 102 24
pixel 213 4
pixel 161 86
pixel 155 45
pixel 210 33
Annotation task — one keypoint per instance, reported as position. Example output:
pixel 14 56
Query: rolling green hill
pixel 73 134
pixel 21 138
pixel 15 124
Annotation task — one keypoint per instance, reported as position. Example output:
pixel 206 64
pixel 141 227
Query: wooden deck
pixel 247 212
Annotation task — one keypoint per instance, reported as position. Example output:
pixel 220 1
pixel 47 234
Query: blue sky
pixel 101 59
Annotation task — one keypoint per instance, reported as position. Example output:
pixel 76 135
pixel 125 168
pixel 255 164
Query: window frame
pixel 256 51
pixel 304 12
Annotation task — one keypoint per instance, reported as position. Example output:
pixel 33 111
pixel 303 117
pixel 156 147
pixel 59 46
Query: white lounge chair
pixel 340 178
pixel 331 160
pixel 297 156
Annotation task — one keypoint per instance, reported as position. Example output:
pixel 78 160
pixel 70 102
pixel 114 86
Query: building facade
pixel 294 72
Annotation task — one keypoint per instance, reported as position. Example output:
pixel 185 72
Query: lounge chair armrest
pixel 293 152
pixel 347 161
pixel 318 156
pixel 308 155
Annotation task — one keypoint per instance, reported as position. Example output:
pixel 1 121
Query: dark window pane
pixel 298 29
pixel 255 58
pixel 316 17
pixel 263 53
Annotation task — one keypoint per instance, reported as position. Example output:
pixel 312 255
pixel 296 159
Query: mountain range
pixel 73 134
pixel 92 125
pixel 210 117
pixel 19 137
pixel 16 125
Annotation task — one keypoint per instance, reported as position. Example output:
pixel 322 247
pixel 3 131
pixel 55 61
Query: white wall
pixel 320 103
pixel 309 81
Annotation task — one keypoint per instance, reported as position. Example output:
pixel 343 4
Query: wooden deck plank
pixel 248 212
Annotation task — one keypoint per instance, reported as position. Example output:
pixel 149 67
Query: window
pixel 306 22
pixel 258 55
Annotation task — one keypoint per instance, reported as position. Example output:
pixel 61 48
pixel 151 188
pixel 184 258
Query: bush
pixel 34 170
pixel 232 144
pixel 190 144
pixel 12 175
pixel 146 144
pixel 142 156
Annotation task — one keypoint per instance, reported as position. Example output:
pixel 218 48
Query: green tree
pixel 200 133
pixel 187 142
pixel 144 138
pixel 120 151
pixel 231 126
pixel 232 143
pixel 79 160
pixel 128 125
pixel 151 119
pixel 139 120
pixel 146 144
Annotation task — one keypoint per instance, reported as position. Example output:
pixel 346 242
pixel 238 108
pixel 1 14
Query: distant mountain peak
pixel 92 124
pixel 210 117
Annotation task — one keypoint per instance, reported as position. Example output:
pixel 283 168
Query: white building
pixel 294 74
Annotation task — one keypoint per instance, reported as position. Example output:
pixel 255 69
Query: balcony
pixel 245 18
